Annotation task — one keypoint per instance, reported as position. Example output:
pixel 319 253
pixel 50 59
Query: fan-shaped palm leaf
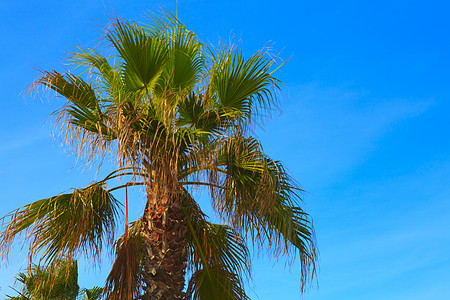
pixel 144 56
pixel 63 226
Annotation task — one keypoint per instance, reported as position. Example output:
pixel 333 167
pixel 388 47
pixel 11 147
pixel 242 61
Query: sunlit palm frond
pixel 82 122
pixel 243 174
pixel 217 245
pixel 289 231
pixel 73 88
pixel 96 63
pixel 81 222
pixel 195 113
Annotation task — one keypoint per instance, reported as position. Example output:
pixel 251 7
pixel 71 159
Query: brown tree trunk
pixel 165 255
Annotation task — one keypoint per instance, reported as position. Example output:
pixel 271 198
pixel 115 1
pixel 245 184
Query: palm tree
pixel 48 283
pixel 42 283
pixel 176 115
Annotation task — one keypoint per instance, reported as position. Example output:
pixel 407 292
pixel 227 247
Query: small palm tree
pixel 176 115
pixel 49 283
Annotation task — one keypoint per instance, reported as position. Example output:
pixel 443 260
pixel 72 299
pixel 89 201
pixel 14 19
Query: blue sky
pixel 364 129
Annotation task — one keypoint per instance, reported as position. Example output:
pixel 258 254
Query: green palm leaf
pixel 83 108
pixel 242 86
pixel 80 222
pixel 93 294
pixel 144 56
pixel 215 284
pixel 108 80
pixel 185 57
pixel 213 245
pixel 257 196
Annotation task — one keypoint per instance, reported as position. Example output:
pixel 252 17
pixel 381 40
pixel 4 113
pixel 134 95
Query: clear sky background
pixel 364 129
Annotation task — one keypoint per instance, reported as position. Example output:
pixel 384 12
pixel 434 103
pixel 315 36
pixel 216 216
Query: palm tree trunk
pixel 165 255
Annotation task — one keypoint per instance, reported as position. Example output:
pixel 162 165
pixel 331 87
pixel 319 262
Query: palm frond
pixel 212 244
pixel 81 222
pixel 215 283
pixel 96 63
pixel 125 278
pixel 289 230
pixel 185 58
pixel 92 294
pixel 243 87
pixel 84 107
pixel 144 56
pixel 195 113
pixel 257 197
pixel 108 80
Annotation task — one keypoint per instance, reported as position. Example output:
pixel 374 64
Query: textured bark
pixel 165 255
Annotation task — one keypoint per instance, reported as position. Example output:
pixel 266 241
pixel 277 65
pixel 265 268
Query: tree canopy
pixel 175 115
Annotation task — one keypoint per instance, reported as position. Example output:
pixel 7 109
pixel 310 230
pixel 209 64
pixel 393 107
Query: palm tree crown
pixel 176 115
